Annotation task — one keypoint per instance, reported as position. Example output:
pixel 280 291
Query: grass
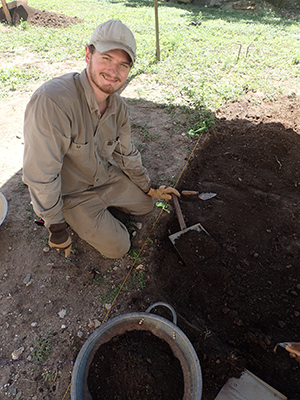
pixel 201 67
pixel 135 282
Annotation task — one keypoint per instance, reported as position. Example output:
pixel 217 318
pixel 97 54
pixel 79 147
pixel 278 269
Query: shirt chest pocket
pixel 107 148
pixel 81 156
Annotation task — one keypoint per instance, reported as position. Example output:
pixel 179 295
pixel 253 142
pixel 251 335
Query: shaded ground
pixel 238 301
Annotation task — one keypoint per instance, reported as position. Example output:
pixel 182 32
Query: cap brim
pixel 103 47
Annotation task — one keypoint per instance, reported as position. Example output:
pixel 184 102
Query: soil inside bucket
pixel 133 366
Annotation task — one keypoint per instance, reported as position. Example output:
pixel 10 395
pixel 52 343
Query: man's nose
pixel 113 68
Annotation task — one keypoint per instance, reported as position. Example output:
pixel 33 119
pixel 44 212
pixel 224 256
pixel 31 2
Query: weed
pixel 29 210
pixel 163 206
pixel 44 239
pixel 134 253
pixel 130 225
pixel 108 297
pixel 98 278
pixel 21 186
pixel 137 281
pixel 42 348
pixel 49 377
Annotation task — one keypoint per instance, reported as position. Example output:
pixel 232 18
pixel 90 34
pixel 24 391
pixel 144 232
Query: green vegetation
pixel 136 281
pixel 208 56
pixel 162 205
pixel 42 348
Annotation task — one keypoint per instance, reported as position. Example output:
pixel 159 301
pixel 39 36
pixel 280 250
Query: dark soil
pixel 37 17
pixel 237 302
pixel 133 366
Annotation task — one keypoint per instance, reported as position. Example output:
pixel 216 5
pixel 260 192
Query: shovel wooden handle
pixel 189 192
pixel 178 212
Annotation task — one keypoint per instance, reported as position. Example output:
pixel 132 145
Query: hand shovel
pixel 194 243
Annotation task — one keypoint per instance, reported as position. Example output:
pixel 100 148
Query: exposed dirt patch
pixel 39 17
pixel 238 301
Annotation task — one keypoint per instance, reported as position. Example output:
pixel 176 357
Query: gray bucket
pixel 160 327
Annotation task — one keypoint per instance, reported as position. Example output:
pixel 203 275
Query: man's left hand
pixel 163 192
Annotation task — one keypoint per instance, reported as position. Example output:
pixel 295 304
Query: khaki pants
pixel 87 213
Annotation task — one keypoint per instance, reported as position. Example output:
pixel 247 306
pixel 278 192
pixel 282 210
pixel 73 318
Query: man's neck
pixel 102 106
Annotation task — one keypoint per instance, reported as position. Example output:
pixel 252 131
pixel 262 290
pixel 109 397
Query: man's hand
pixel 163 192
pixel 59 238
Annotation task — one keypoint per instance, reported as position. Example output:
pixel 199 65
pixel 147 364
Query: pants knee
pixel 114 252
pixel 114 248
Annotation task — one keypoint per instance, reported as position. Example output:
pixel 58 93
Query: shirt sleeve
pixel 46 140
pixel 126 155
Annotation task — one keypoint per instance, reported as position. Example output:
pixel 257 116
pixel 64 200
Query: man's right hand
pixel 59 238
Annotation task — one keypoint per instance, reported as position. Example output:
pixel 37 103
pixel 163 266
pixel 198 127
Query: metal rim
pixel 78 387
pixel 5 207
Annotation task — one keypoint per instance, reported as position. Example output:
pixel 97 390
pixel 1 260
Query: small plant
pixel 195 131
pixel 44 239
pixel 137 281
pixel 98 278
pixel 163 206
pixel 108 297
pixel 130 225
pixel 134 253
pixel 42 348
pixel 29 210
pixel 49 377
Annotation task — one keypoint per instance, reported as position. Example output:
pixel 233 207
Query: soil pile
pixel 238 302
pixel 39 17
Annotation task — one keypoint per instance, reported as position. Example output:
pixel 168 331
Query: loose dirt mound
pixel 39 17
pixel 239 301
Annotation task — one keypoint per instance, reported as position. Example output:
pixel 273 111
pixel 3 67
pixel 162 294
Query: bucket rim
pixel 3 199
pixel 140 319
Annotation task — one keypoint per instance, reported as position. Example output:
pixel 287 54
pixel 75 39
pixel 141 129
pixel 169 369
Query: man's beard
pixel 105 88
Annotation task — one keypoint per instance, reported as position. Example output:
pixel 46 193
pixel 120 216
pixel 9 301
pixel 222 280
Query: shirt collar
pixel 90 98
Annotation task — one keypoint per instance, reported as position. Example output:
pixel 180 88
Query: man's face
pixel 107 71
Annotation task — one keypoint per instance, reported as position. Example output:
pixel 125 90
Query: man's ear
pixel 88 54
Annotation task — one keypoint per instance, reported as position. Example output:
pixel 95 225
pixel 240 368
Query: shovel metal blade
pixel 174 236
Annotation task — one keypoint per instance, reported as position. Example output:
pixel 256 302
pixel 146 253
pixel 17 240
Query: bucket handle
pixel 160 303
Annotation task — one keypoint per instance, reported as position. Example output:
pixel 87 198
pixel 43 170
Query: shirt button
pixel 78 147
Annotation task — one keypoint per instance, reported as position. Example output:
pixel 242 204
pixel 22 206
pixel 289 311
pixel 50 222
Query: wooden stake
pixel 157 30
pixel 6 11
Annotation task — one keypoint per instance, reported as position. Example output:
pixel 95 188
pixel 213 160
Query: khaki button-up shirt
pixel 68 143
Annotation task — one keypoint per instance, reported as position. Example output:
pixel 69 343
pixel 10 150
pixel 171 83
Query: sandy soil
pixel 234 304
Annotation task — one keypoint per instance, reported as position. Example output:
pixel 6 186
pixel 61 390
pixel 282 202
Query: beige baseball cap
pixel 113 34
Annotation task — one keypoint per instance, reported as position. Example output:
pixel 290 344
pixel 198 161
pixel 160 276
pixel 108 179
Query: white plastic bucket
pixel 3 208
